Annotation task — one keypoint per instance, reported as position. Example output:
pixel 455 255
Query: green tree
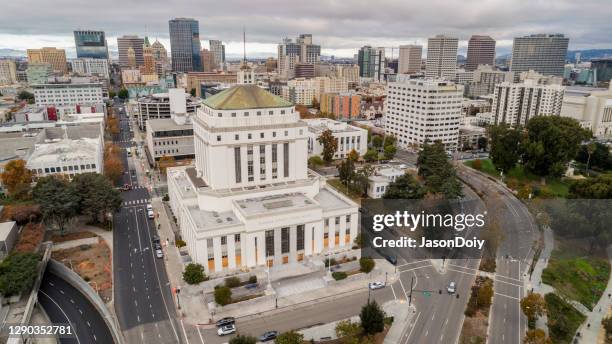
pixel 329 143
pixel 353 155
pixel 123 93
pixel 405 187
pixel 533 306
pixel 111 94
pixel 315 160
pixel 17 178
pixel 243 339
pixel 371 155
pixel 25 95
pixel 372 318
pixel 58 201
pixel 348 332
pixel 389 152
pixel 346 171
pixel 366 264
pixel 595 155
pixel 599 187
pixel 482 143
pixel 551 142
pixel 358 240
pixel 96 196
pixel 361 178
pixel 505 146
pixel 290 337
pixel 17 272
pixel 439 174
pixel 194 274
pixel 223 295
pixel 536 336
pixel 192 92
pixel 377 141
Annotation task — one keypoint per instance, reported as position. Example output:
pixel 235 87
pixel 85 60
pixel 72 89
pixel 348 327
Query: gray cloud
pixel 335 24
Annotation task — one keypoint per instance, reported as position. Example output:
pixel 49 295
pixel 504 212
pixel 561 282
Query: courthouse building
pixel 250 198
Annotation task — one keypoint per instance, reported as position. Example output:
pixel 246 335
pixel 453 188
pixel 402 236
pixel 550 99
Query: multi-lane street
pixel 143 300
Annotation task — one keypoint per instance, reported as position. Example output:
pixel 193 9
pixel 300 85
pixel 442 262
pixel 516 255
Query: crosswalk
pixel 138 187
pixel 136 202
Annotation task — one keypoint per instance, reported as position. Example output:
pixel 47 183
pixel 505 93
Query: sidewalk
pixel 535 283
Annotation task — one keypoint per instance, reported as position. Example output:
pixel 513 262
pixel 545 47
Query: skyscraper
pixel 371 62
pixel 124 44
pixel 301 51
pixel 481 51
pixel 208 60
pixel 543 53
pixel 218 50
pixel 53 56
pixel 441 57
pixel 410 57
pixel 90 44
pixel 185 44
pixel 148 66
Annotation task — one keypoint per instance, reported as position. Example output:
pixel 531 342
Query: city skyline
pixel 339 31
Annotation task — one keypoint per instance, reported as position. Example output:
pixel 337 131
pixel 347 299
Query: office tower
pixel 301 51
pixel 185 45
pixel 415 120
pixel 90 66
pixel 208 60
pixel 271 64
pixel 160 54
pixel 410 57
pixel 55 57
pixel 38 73
pixel 543 53
pixel 602 68
pixel 8 72
pixel 348 72
pixel 484 80
pixel 131 58
pixel 481 51
pixel 304 70
pixel 124 44
pixel 441 57
pixel 516 103
pixel 90 44
pixel 218 50
pixel 371 62
pixel 148 66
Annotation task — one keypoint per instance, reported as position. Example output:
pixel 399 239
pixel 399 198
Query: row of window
pixel 63 168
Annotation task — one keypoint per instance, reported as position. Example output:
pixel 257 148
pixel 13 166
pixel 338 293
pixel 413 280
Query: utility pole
pixel 411 286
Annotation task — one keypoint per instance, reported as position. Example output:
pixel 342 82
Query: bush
pixel 194 274
pixel 366 264
pixel 253 279
pixel 314 161
pixel 166 198
pixel 223 295
pixel 180 243
pixel 339 275
pixel 232 282
pixel 240 339
pixel 17 273
pixel 372 318
pixel 329 262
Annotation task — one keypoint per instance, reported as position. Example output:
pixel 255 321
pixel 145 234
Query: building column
pixel 342 229
pixel 243 250
pixel 318 238
pixel 308 238
pixel 261 244
pixel 217 252
pixel 231 252
pixel 292 244
pixel 353 228
pixel 278 255
pixel 203 258
pixel 331 236
pixel 249 254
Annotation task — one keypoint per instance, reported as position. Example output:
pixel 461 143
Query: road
pixel 65 304
pixel 143 300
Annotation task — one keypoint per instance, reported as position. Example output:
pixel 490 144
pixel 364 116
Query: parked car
pixel 227 329
pixel 155 238
pixel 268 336
pixel 127 187
pixel 451 288
pixel 376 285
pixel 156 246
pixel 149 207
pixel 159 253
pixel 150 214
pixel 391 259
pixel 225 321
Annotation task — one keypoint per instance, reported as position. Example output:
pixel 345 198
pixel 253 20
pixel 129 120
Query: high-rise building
pixel 348 72
pixel 516 103
pixel 484 80
pixel 591 107
pixel 90 66
pixel 8 72
pixel 53 56
pixel 208 60
pixel 159 52
pixel 301 51
pixel 148 66
pixel 218 49
pixel 185 45
pixel 131 58
pixel 271 64
pixel 415 120
pixel 90 44
pixel 410 57
pixel 304 70
pixel 136 44
pixel 371 63
pixel 441 57
pixel 481 51
pixel 602 69
pixel 543 53
pixel 344 106
pixel 38 73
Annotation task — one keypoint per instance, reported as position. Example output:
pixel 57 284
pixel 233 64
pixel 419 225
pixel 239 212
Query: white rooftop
pixel 5 229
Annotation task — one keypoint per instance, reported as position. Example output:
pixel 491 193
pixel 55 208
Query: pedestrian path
pixel 136 202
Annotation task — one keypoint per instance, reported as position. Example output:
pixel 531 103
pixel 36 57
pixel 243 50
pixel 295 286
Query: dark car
pixel 268 336
pixel 225 321
pixel 391 259
pixel 155 239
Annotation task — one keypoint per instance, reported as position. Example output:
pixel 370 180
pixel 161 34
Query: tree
pixel 389 152
pixel 123 93
pixel 27 96
pixel 353 155
pixel 595 155
pixel 536 336
pixel 372 318
pixel 223 295
pixel 533 306
pixel 315 103
pixel 346 171
pixel 17 178
pixel 242 339
pixel 358 240
pixel 377 141
pixel 482 143
pixel 484 296
pixel 550 144
pixel 17 272
pixel 96 195
pixel 477 164
pixel 111 94
pixel 371 155
pixel 439 174
pixel 366 264
pixel 164 162
pixel 113 166
pixel 58 201
pixel 361 178
pixel 505 146
pixel 329 143
pixel 315 160
pixel 348 332
pixel 192 92
pixel 194 274
pixel 290 337
pixel 599 187
pixel 405 187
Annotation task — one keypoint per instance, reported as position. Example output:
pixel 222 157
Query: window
pixel 269 243
pixel 258 113
pixel 274 161
pixel 286 159
pixel 237 166
pixel 282 112
pixel 218 138
pixel 285 240
pixel 337 221
pixel 250 171
pixel 271 112
pixel 237 137
pixel 250 136
pixel 233 114
pixel 261 135
pixel 223 240
pixel 246 114
pixel 274 134
pixel 237 237
pixel 262 162
pixel 300 237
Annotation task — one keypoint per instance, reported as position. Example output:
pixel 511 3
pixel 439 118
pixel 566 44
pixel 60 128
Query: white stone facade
pixel 349 137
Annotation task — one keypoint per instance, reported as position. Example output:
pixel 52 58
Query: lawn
pixel 517 177
pixel 563 319
pixel 583 279
pixel 337 184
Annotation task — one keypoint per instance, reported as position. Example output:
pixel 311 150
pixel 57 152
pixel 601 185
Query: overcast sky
pixel 339 26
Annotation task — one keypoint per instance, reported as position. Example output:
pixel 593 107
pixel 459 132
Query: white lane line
pixel 64 313
pixel 418 261
pixel 508 296
pixel 413 326
pixel 420 267
pixel 184 332
pixel 394 296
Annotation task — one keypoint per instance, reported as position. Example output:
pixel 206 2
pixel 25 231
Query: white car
pixel 150 214
pixel 149 207
pixel 227 329
pixel 376 285
pixel 452 287
pixel 159 253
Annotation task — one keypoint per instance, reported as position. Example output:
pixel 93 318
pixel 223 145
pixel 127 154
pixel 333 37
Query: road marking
pixel 508 296
pixel 418 261
pixel 64 313
pixel 419 267
pixel 404 289
pixel 88 324
pixel 433 316
pixel 62 292
pixel 200 334
pixel 413 326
